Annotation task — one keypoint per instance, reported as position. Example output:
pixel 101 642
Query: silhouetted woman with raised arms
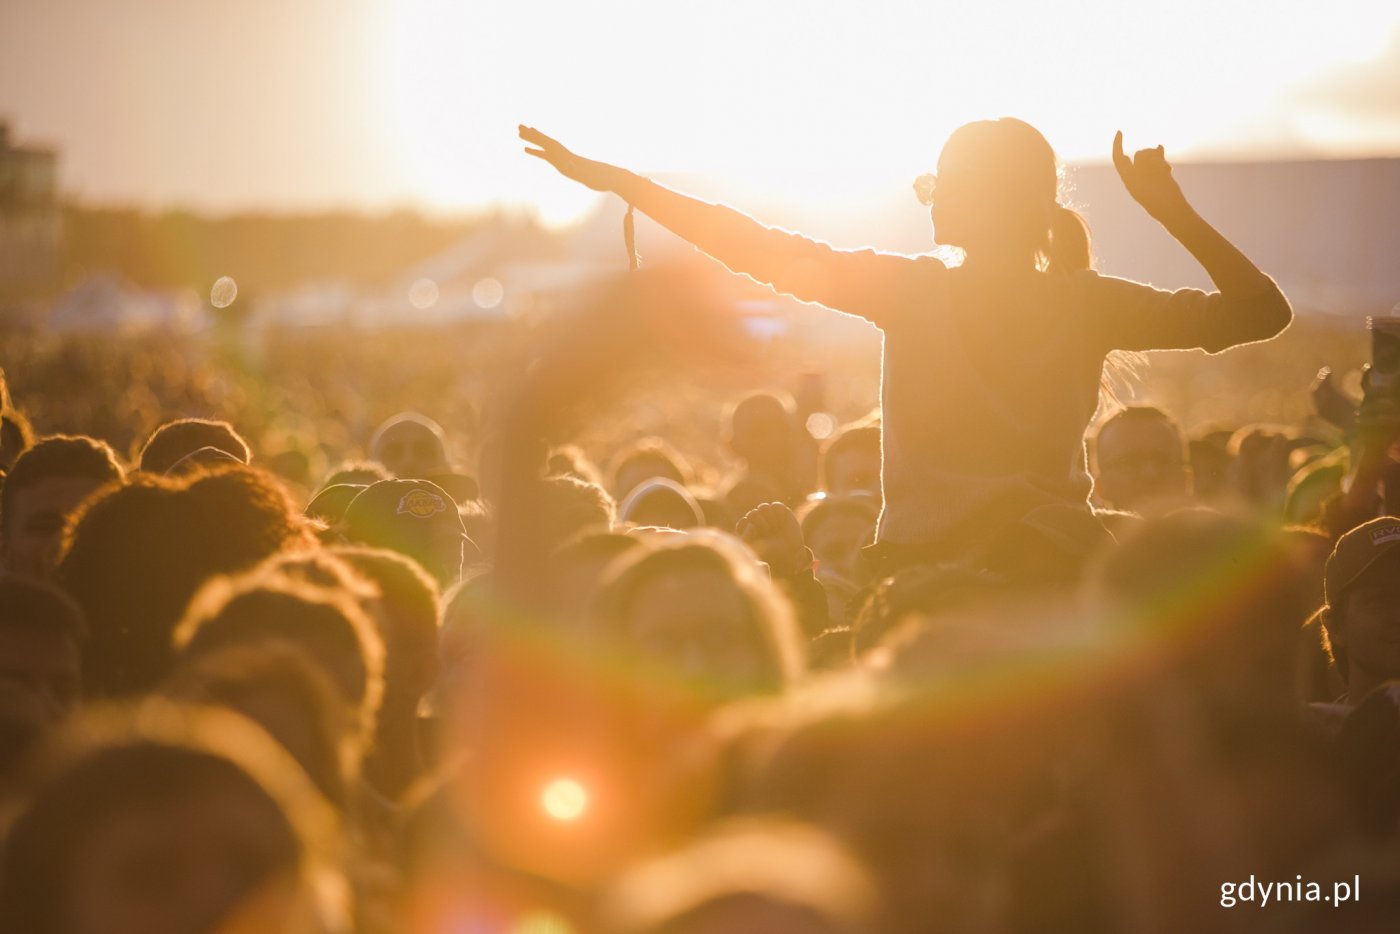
pixel 991 368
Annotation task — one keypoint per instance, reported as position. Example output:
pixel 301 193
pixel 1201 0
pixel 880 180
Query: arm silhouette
pixel 1245 291
pixel 867 283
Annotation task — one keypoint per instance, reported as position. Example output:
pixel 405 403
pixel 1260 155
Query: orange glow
pixel 564 800
pixel 818 102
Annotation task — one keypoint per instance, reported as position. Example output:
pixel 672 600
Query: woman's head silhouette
pixel 996 197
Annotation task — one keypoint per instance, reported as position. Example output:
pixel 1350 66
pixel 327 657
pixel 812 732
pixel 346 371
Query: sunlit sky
pixel 288 105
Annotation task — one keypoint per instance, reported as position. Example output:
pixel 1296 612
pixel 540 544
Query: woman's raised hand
pixel 1148 177
pixel 600 176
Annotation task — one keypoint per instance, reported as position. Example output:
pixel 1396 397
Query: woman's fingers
pixel 531 135
pixel 1131 168
pixel 1120 160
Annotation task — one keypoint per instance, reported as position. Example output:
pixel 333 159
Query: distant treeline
pixel 176 249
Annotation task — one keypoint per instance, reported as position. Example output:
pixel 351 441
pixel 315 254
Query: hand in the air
pixel 600 176
pixel 775 535
pixel 1148 177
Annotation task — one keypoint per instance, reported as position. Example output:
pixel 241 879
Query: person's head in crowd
pixel 416 518
pixel 567 507
pixel 44 488
pixel 644 460
pixel 1139 461
pixel 1361 613
pixel 292 464
pixel 995 196
pixel 1211 465
pixel 166 819
pixel 579 568
pixel 289 695
pixel 172 442
pixel 661 503
pixel 836 529
pixel 702 610
pixel 760 429
pixel 1261 463
pixel 356 473
pixel 1217 599
pixel 136 554
pixel 569 460
pixel 764 431
pixel 41 637
pixel 753 875
pixel 329 626
pixel 411 446
pixel 330 503
pixel 851 461
pixel 409 614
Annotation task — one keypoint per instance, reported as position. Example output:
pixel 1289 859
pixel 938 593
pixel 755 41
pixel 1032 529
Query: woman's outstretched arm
pixel 1245 291
pixel 863 282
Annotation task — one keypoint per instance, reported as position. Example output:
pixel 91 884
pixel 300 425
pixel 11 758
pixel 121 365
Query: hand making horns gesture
pixel 1148 177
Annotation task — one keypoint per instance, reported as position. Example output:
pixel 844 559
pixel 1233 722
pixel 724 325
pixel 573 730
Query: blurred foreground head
pixel 135 556
pixel 759 875
pixel 259 609
pixel 700 612
pixel 162 819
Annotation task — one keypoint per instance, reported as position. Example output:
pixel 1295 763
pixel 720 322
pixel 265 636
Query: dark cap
pixel 413 517
pixel 1355 552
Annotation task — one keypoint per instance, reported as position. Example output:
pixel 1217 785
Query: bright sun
pixel 824 100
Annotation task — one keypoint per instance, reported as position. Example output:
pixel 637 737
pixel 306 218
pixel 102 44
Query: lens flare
pixel 488 293
pixel 223 293
pixel 423 294
pixel 821 425
pixel 564 799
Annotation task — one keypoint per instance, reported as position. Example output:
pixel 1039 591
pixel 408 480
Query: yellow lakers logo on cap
pixel 421 504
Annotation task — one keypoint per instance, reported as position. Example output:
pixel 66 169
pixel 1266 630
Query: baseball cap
pixel 416 518
pixel 1355 552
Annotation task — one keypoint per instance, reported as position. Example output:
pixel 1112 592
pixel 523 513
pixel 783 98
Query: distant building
pixel 31 227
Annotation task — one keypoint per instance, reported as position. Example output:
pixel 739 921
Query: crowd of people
pixel 968 663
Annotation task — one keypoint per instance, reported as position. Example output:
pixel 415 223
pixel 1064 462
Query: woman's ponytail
pixel 1069 242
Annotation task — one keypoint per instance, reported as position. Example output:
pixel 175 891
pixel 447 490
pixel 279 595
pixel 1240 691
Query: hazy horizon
pixel 354 105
